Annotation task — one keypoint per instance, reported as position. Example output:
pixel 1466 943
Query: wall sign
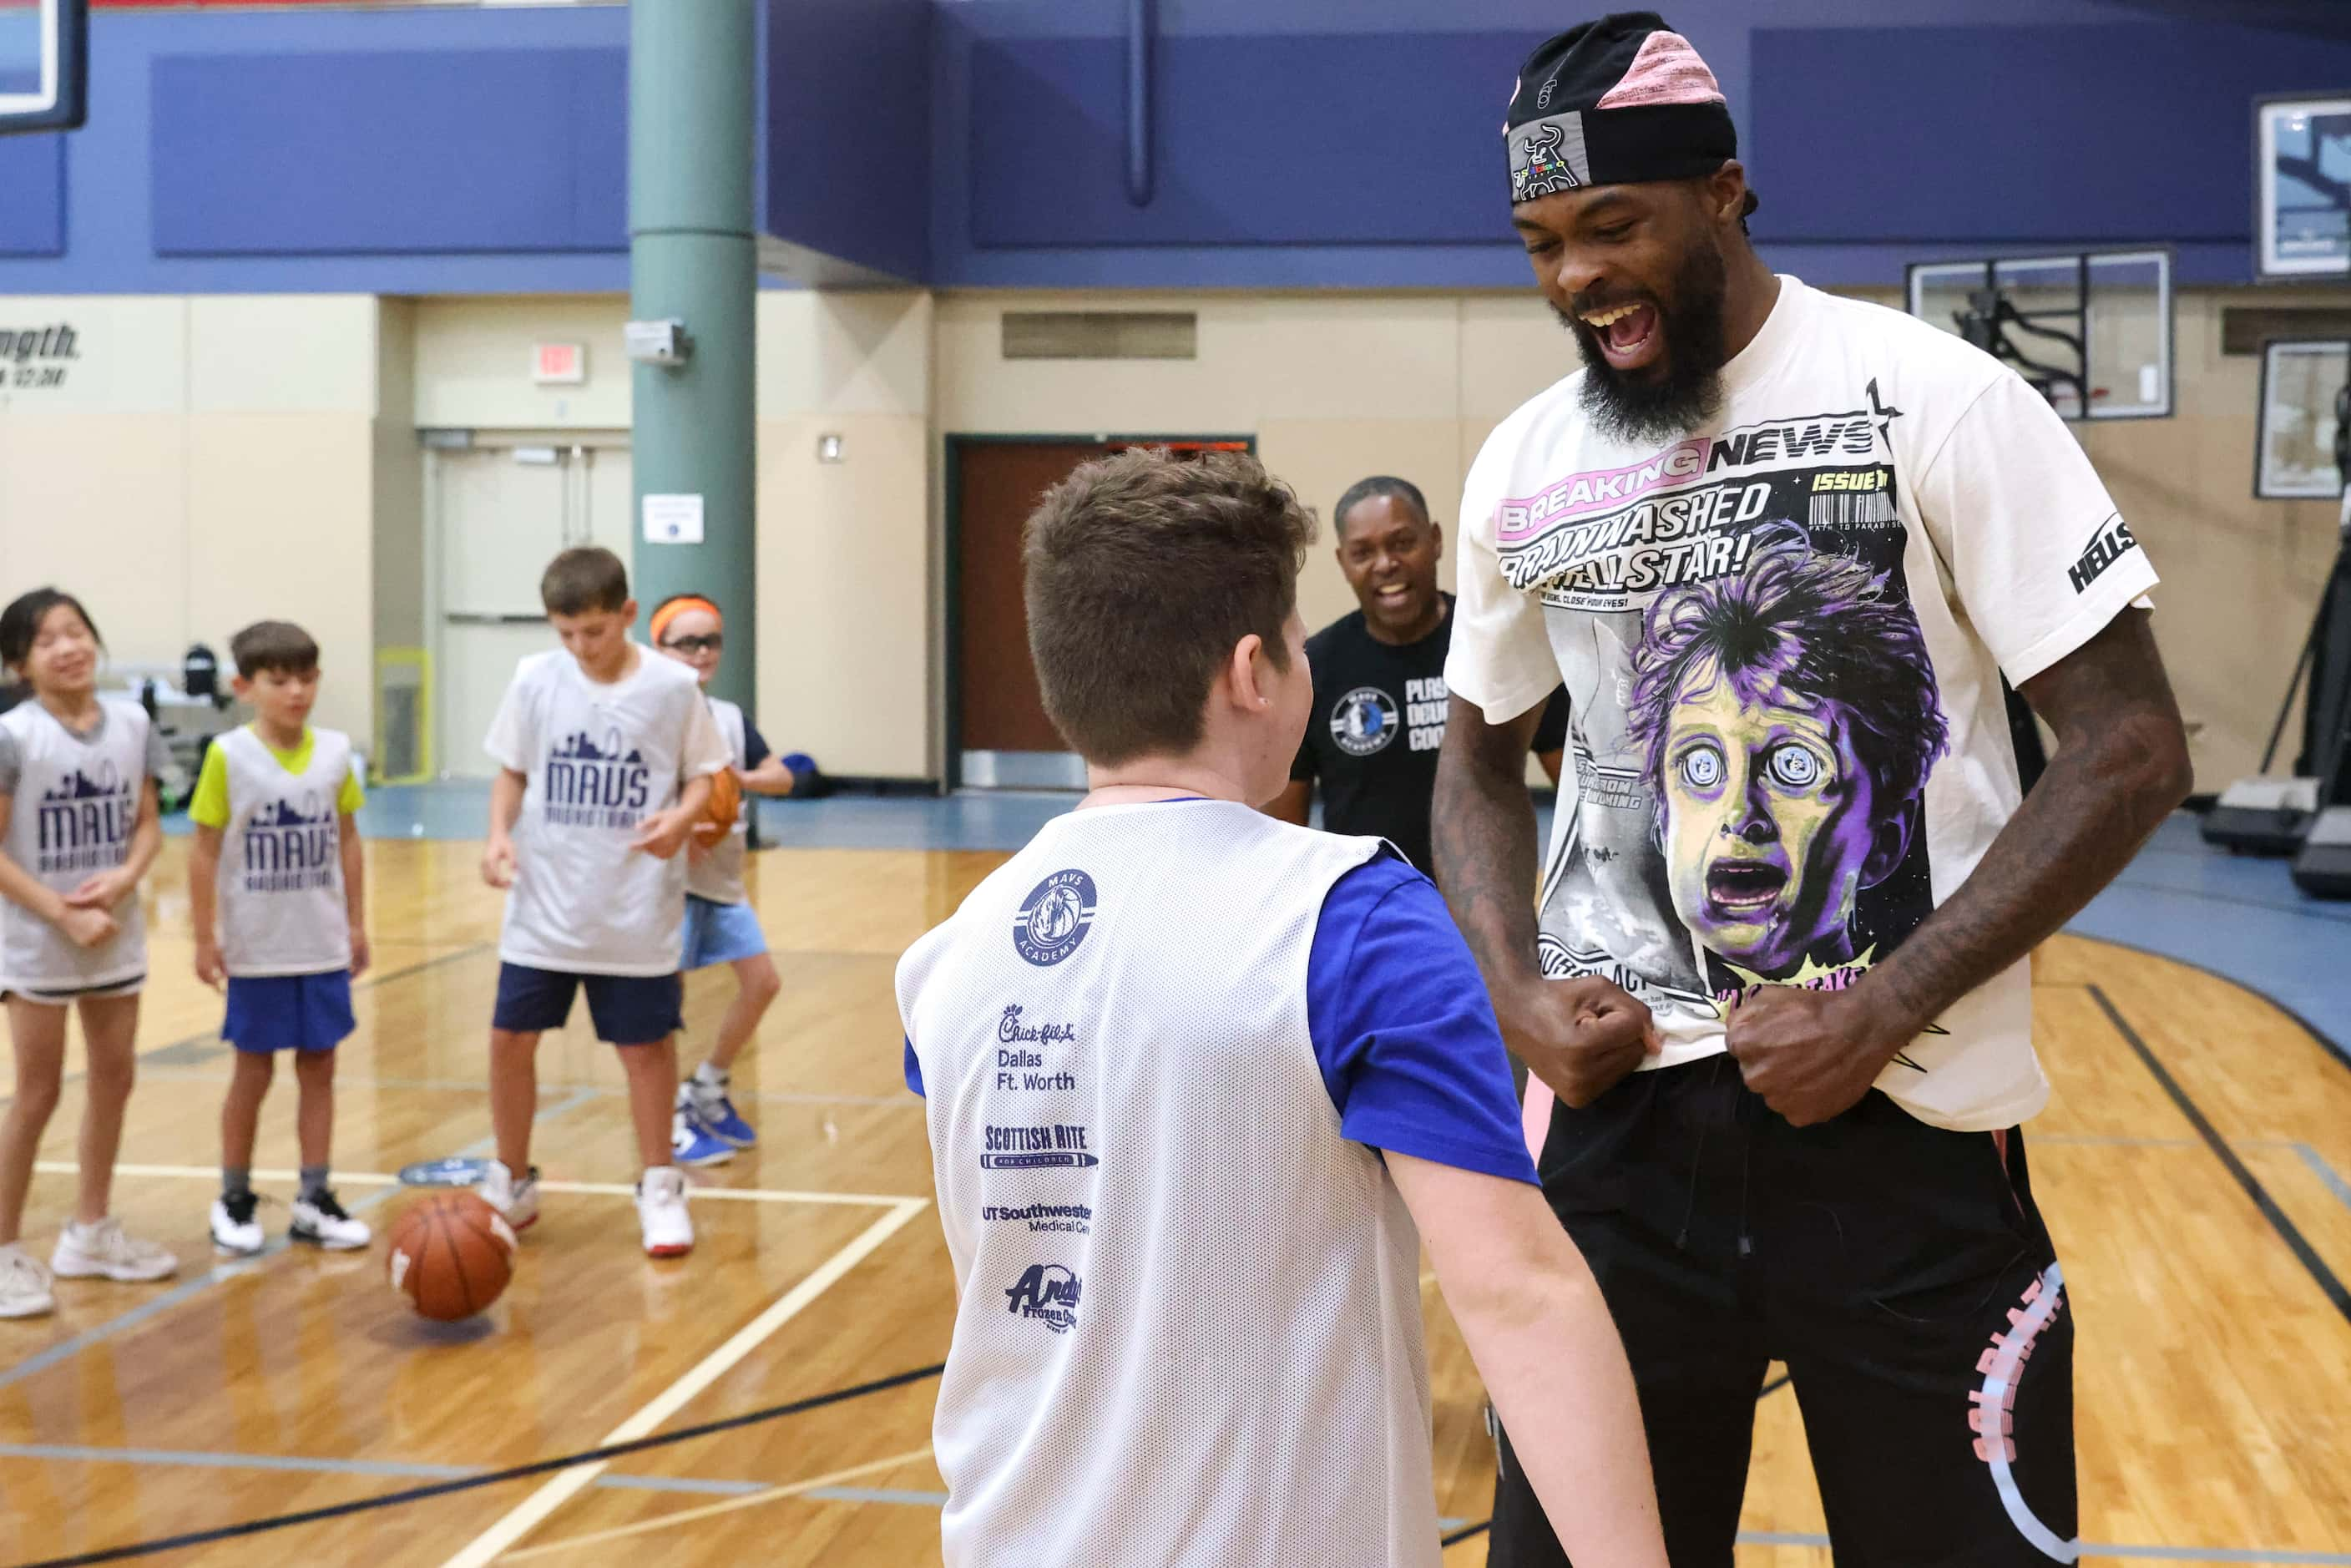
pixel 36 359
pixel 673 519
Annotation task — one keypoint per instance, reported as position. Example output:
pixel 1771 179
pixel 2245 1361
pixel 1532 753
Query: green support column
pixel 690 258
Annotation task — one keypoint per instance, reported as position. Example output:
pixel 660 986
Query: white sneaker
pixel 320 1221
pixel 103 1250
pixel 235 1228
pixel 24 1285
pixel 515 1201
pixel 660 1210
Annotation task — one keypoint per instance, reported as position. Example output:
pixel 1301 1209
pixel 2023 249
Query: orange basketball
pixel 718 813
pixel 451 1255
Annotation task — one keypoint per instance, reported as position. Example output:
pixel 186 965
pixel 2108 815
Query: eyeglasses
pixel 710 643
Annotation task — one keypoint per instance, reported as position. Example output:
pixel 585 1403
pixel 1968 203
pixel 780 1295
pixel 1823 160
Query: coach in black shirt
pixel 1379 678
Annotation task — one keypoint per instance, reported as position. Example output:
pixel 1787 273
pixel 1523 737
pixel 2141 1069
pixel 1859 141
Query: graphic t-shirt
pixel 1379 719
pixel 719 875
pixel 1782 638
pixel 74 808
pixel 600 760
pixel 281 907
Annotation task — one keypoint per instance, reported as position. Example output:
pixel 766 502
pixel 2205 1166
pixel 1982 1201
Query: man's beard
pixel 1639 413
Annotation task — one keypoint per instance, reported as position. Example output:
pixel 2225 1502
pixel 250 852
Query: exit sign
pixel 558 364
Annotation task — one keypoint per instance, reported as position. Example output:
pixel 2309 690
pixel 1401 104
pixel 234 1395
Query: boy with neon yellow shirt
pixel 276 888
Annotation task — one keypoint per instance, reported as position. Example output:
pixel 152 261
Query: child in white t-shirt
pixel 721 926
pixel 606 753
pixel 277 891
pixel 79 828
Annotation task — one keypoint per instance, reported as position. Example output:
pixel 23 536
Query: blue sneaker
pixel 716 1115
pixel 692 1144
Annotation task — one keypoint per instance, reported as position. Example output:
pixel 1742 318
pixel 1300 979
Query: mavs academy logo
pixel 1053 918
pixel 1364 721
pixel 291 849
pixel 1047 1292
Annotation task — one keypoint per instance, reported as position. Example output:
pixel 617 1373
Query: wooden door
pixel 1001 736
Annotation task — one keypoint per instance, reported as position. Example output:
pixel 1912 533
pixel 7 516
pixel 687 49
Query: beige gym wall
pixel 1335 388
pixel 844 575
pixel 207 462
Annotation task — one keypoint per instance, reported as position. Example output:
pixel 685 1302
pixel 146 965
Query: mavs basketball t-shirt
pixel 1379 718
pixel 599 760
pixel 1782 637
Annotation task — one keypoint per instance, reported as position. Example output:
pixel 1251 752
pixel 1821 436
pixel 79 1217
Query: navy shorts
pixel 627 1009
pixel 288 1012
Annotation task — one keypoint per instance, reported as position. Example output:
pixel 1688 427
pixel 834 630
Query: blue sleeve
pixel 755 745
pixel 913 1071
pixel 1403 1028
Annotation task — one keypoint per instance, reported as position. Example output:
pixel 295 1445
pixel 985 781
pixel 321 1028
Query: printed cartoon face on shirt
pixel 597 782
pixel 1787 716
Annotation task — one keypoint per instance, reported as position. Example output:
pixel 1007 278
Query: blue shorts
pixel 627 1009
pixel 720 933
pixel 288 1012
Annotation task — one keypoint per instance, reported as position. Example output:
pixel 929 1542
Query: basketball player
pixel 1782 547
pixel 1379 678
pixel 605 751
pixel 1193 1074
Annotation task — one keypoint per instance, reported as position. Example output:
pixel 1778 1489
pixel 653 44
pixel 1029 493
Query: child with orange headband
pixel 720 925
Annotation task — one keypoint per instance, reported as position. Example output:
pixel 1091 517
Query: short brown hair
pixel 1143 570
pixel 279 646
pixel 583 579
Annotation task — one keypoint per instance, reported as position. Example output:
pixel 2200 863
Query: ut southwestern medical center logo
pixel 1047 1292
pixel 1054 917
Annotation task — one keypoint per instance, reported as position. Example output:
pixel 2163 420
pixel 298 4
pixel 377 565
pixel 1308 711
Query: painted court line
pixel 534 1510
pixel 812 1486
pixel 588 1188
pixel 390 1469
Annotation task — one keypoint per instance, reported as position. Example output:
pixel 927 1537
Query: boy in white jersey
pixel 721 927
pixel 77 829
pixel 606 752
pixel 276 891
pixel 1192 1075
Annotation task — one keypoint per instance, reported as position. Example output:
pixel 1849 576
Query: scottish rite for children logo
pixel 1054 917
pixel 1364 721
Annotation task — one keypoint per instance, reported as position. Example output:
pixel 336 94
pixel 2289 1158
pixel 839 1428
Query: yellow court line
pixel 534 1510
pixel 590 1188
pixel 707 1511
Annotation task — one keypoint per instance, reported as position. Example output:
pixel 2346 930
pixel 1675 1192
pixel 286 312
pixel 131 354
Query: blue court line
pixel 386 1468
pixel 879 1494
pixel 67 1349
pixel 2326 1173
pixel 481 1086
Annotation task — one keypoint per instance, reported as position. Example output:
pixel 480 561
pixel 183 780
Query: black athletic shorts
pixel 1902 1274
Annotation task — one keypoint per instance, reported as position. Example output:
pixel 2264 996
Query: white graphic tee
pixel 1783 639
pixel 600 760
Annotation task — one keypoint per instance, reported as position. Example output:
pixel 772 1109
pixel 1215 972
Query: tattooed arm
pixel 2120 767
pixel 1579 1036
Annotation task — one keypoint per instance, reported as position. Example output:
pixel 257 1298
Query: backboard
pixel 44 64
pixel 2304 412
pixel 2302 184
pixel 2091 331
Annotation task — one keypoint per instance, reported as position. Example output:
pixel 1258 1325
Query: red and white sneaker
pixel 660 1210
